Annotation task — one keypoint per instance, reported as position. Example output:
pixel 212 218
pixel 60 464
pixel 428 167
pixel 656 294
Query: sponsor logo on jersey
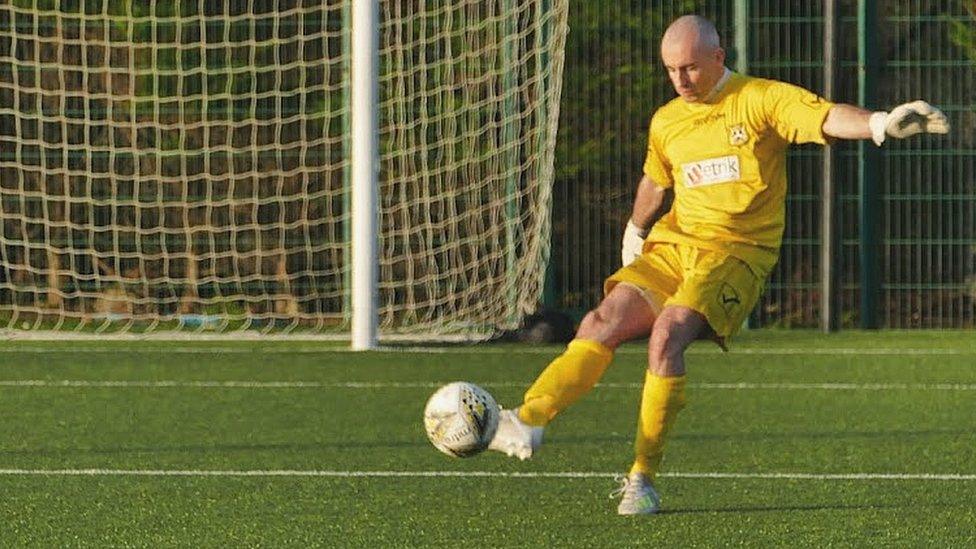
pixel 708 119
pixel 738 135
pixel 711 171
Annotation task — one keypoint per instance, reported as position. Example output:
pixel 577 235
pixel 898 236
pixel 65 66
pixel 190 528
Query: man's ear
pixel 720 55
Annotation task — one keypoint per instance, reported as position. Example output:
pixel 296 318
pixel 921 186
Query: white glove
pixel 907 120
pixel 633 243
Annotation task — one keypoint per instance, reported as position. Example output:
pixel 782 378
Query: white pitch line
pixel 486 350
pixel 841 386
pixel 162 384
pixel 716 386
pixel 475 474
pixel 743 386
pixel 828 476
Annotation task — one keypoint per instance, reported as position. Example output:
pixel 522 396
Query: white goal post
pixel 365 173
pixel 191 167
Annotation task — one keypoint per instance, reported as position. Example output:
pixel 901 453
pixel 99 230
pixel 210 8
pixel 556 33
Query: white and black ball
pixel 461 419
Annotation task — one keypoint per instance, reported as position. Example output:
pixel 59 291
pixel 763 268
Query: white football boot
pixel 514 438
pixel 639 497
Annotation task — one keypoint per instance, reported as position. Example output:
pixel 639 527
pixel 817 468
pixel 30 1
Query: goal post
pixel 191 167
pixel 365 173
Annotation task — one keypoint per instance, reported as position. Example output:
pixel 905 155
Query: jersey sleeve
pixel 656 165
pixel 796 114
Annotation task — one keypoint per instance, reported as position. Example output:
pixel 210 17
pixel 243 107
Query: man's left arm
pixel 851 122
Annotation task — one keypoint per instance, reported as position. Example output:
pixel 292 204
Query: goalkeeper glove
pixel 907 120
pixel 633 243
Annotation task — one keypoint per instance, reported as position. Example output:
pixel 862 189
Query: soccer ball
pixel 461 419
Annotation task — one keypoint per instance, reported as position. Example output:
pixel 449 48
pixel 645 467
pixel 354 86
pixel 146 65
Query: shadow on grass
pixel 793 508
pixel 794 436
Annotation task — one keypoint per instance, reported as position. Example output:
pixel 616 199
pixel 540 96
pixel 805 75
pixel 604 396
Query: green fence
pixel 923 211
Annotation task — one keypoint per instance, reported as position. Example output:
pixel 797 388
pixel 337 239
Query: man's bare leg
pixel 623 315
pixel 673 332
pixel 662 398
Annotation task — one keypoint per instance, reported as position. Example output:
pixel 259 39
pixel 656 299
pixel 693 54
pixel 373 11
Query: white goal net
pixel 183 165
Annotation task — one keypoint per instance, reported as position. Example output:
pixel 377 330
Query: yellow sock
pixel 661 400
pixel 567 378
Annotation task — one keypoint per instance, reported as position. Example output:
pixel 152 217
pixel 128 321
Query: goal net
pixel 183 166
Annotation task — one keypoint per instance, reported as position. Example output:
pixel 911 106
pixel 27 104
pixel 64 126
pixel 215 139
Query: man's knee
pixel 620 317
pixel 673 331
pixel 596 321
pixel 590 321
pixel 664 345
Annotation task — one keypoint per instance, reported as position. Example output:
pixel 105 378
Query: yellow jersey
pixel 726 161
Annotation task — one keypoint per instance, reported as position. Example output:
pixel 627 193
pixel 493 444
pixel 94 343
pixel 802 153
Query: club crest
pixel 738 135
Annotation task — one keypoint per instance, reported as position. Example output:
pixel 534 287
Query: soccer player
pixel 697 270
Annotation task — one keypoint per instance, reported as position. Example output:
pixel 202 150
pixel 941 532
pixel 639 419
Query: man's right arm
pixel 649 206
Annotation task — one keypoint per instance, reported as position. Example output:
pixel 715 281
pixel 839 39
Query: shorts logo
pixel 728 297
pixel 738 135
pixel 711 171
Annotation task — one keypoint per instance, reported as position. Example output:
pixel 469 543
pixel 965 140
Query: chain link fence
pixel 926 216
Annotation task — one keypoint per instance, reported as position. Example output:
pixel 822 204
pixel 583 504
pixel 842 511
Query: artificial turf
pixel 794 403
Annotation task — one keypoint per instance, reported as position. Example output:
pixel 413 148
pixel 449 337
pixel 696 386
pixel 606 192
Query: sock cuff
pixel 591 346
pixel 671 382
pixel 665 390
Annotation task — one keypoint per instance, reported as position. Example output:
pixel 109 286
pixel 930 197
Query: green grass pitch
pixel 279 443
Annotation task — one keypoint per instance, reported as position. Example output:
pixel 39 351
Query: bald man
pixel 697 270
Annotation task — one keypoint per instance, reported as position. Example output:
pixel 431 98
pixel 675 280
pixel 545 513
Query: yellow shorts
pixel 721 287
